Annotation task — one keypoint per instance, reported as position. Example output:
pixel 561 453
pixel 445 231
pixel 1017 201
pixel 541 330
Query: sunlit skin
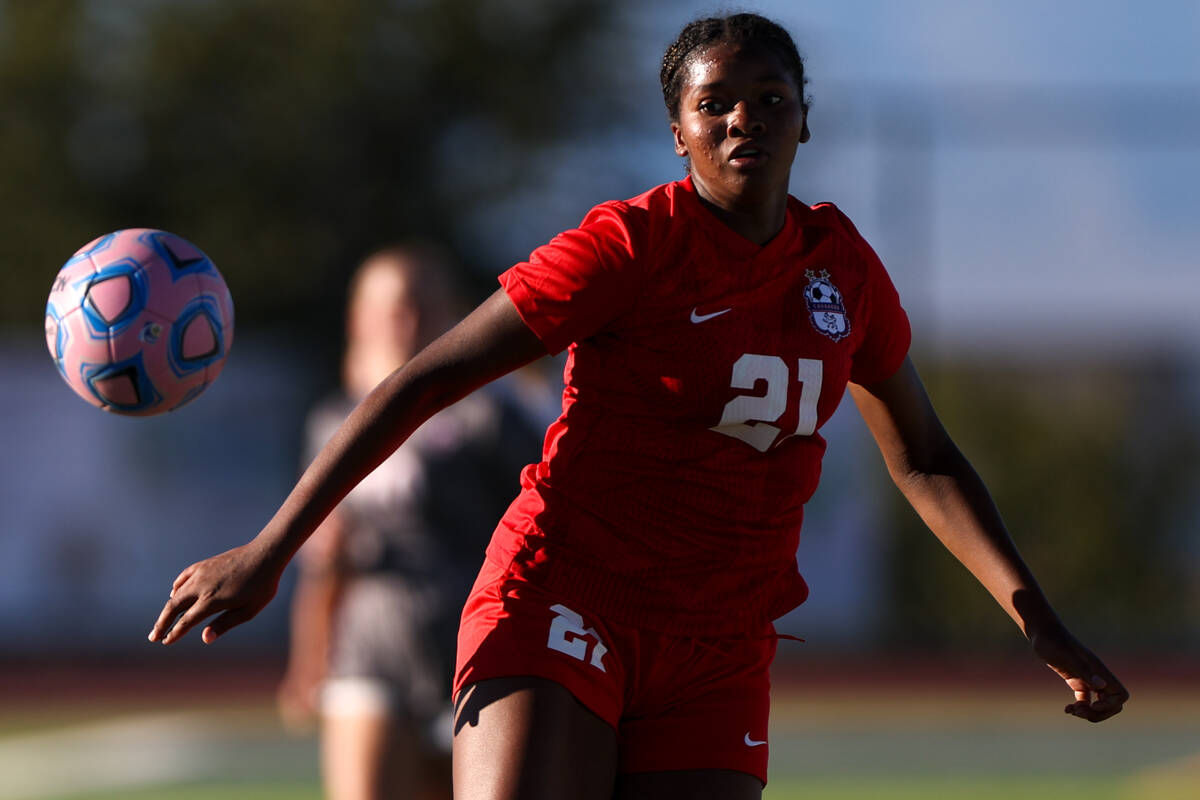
pixel 741 117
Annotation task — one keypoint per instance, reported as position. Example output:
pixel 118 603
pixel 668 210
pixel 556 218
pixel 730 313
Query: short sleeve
pixel 580 281
pixel 888 334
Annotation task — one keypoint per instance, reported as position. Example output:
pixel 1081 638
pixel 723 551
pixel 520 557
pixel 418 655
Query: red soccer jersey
pixel 700 366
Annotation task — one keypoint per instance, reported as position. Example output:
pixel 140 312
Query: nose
pixel 743 122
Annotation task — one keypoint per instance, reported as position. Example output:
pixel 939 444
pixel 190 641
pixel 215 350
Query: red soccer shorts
pixel 676 703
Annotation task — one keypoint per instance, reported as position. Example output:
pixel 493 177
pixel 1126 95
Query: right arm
pixel 491 341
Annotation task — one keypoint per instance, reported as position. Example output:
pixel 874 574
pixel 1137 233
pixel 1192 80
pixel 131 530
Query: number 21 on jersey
pixel 749 416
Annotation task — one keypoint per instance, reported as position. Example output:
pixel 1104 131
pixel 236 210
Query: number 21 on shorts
pixel 749 416
pixel 568 635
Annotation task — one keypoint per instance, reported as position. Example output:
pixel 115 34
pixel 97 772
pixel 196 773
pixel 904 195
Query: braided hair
pixel 703 33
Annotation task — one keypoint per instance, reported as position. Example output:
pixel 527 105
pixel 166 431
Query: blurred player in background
pixel 382 581
pixel 617 642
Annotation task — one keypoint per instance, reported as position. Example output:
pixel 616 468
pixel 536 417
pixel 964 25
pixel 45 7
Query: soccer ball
pixel 823 292
pixel 139 322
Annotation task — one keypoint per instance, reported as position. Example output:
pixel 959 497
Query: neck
pixel 757 220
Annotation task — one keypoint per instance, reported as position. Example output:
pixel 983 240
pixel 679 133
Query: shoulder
pixel 829 215
pixel 642 212
pixel 640 226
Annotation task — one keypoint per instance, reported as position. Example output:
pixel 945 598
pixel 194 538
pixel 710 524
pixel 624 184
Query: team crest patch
pixel 825 307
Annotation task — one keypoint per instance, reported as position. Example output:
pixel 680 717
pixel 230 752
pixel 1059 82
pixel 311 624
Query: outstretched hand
pixel 237 584
pixel 1098 693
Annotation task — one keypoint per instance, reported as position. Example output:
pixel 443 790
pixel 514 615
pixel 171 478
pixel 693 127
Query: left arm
pixel 947 493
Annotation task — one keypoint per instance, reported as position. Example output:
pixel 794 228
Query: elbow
pixel 916 466
pixel 423 389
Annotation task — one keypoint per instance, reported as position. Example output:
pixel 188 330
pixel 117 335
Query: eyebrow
pixel 770 78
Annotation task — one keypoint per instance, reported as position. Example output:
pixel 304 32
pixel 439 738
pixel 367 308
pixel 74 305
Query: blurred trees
pixel 284 137
pixel 1095 468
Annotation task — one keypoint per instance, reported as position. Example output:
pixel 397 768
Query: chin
pixel 756 185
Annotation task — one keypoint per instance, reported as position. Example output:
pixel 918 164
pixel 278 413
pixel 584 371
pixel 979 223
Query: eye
pixel 711 107
pixel 772 99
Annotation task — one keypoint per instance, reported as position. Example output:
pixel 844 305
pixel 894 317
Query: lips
pixel 747 154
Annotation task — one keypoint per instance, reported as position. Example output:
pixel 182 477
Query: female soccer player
pixel 618 638
pixel 382 580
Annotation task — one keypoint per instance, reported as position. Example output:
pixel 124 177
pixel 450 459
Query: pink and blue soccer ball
pixel 139 322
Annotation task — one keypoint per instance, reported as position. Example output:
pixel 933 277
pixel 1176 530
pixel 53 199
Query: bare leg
pixel 700 784
pixel 530 739
pixel 368 756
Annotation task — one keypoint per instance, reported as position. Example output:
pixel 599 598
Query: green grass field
pixel 982 787
pixel 830 740
pixel 846 788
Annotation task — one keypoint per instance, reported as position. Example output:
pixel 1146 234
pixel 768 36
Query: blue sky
pixel 1070 41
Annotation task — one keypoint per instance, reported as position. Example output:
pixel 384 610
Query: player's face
pixel 741 116
pixel 384 312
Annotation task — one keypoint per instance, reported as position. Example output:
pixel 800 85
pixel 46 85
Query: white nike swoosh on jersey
pixel 753 742
pixel 698 317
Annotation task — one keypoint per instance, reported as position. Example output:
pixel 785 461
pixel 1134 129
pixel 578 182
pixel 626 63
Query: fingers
pixel 166 619
pixel 190 618
pixel 182 579
pixel 174 606
pixel 185 608
pixel 191 613
pixel 1098 693
pixel 1096 710
pixel 221 624
pixel 235 584
pixel 1103 699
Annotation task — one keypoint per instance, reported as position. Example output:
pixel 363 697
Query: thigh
pixel 365 756
pixel 698 784
pixel 529 738
pixel 380 757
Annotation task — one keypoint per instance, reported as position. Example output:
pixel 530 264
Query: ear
pixel 805 135
pixel 680 148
